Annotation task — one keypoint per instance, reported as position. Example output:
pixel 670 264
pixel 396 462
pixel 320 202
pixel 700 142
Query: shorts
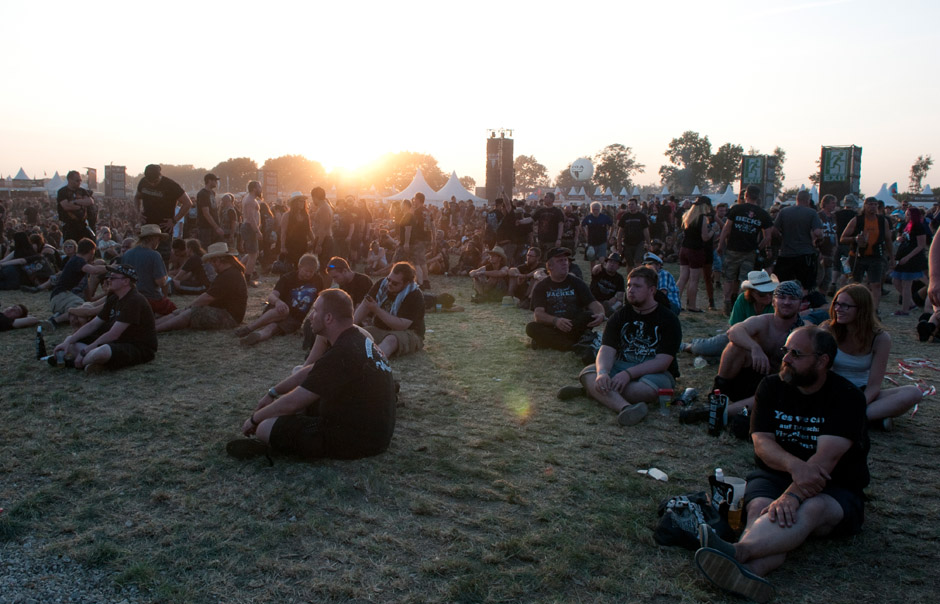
pixel 766 484
pixel 600 251
pixel 163 306
pixel 289 325
pixel 419 253
pixel 691 258
pixel 249 238
pixel 127 354
pixel 408 340
pixel 869 266
pixel 210 317
pixel 736 265
pixel 656 381
pixel 63 301
pixel 633 253
pixel 301 435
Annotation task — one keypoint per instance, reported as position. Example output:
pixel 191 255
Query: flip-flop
pixel 728 574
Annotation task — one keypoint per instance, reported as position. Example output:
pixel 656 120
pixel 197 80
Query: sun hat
pixel 499 252
pixel 760 281
pixel 152 230
pixel 217 250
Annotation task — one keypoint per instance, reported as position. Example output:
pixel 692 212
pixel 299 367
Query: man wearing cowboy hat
pixel 123 332
pixel 156 200
pixel 223 305
pixel 150 267
pixel 607 285
pixel 564 307
pixel 491 281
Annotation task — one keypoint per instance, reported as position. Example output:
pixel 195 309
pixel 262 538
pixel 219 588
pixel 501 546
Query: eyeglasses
pixel 843 305
pixel 796 354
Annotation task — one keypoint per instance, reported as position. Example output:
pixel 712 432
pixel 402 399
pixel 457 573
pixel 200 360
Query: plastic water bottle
pixel 719 475
pixel 700 363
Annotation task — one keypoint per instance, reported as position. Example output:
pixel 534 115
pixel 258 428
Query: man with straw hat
pixel 150 267
pixel 223 305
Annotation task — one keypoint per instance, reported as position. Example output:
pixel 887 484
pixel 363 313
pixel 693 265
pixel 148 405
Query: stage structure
pixel 760 170
pixel 268 185
pixel 115 182
pixel 500 174
pixel 840 170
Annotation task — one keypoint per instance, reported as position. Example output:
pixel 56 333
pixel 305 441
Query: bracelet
pixel 630 374
pixel 252 420
pixel 795 496
pixel 273 393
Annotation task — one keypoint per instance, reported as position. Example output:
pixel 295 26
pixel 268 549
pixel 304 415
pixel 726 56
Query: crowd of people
pixel 801 286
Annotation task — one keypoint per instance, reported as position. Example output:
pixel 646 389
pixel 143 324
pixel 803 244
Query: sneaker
pixel 631 415
pixel 248 448
pixel 728 574
pixel 251 339
pixel 685 347
pixel 695 414
pixel 569 392
pixel 925 329
pixel 29 289
pixel 242 331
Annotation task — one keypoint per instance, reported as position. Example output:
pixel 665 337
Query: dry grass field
pixel 492 491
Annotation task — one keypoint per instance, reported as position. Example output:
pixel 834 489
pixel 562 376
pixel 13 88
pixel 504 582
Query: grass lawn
pixel 492 490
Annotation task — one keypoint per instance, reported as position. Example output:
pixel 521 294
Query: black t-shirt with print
pixel 747 222
pixel 358 288
pixel 640 337
pixel 412 308
pixel 205 199
pixel 72 217
pixel 298 294
pixel 633 226
pixel 158 202
pixel 796 420
pixel 196 270
pixel 230 291
pixel 71 277
pixel 357 396
pixel 135 310
pixel 546 223
pixel 564 300
pixel 605 286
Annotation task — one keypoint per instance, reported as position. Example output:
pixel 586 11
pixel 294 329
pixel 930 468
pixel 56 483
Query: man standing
pixel 811 451
pixel 208 228
pixel 251 230
pixel 738 242
pixel 418 233
pixel 596 226
pixel 123 332
pixel 563 306
pixel 322 225
pixel 150 268
pixel 549 223
pixel 637 356
pixel 396 306
pixel 156 200
pixel 828 246
pixel 74 203
pixel 870 237
pixel 633 234
pixel 223 305
pixel 799 227
pixel 345 407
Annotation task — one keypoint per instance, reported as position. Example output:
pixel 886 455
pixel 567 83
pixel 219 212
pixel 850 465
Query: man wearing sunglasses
pixel 811 449
pixel 122 334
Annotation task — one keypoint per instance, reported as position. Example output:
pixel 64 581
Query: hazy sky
pixel 342 83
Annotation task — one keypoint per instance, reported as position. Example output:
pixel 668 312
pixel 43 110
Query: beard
pixel 796 378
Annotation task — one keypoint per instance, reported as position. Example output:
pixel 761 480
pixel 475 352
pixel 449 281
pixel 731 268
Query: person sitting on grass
pixel 15 317
pixel 344 407
pixel 607 285
pixel 395 306
pixel 811 451
pixel 122 334
pixel 491 281
pixel 77 280
pixel 224 303
pixel 287 304
pixel 862 357
pixel 522 278
pixel 190 277
pixel 637 356
pixel 667 283
pixel 564 308
pixel 357 285
pixel 150 267
pixel 377 260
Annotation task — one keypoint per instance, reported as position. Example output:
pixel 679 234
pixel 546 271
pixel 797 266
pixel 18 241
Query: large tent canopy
pixel 418 185
pixel 453 188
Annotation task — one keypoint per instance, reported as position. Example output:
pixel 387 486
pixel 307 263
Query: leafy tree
pixel 468 182
pixel 918 172
pixel 779 174
pixel 234 173
pixel 814 177
pixel 396 170
pixel 530 174
pixel 724 166
pixel 297 173
pixel 614 167
pixel 690 155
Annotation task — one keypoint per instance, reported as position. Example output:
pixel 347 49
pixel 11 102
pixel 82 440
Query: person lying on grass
pixel 343 407
pixel 15 317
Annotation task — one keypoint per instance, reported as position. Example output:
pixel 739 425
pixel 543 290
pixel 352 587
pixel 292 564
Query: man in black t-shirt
pixel 607 285
pixel 287 305
pixel 343 407
pixel 549 223
pixel 633 235
pixel 357 285
pixel 563 306
pixel 748 226
pixel 418 234
pixel 811 448
pixel 208 228
pixel 637 356
pixel 396 307
pixel 122 334
pixel 16 316
pixel 156 200
pixel 223 305
pixel 73 204
pixel 522 277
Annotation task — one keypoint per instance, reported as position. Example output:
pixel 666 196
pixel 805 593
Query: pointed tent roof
pixel 696 191
pixel 883 195
pixel 453 188
pixel 418 185
pixel 636 191
pixel 597 191
pixel 21 175
pixel 55 183
pixel 572 191
pixel 665 191
pixel 728 197
pixel 927 190
pixel 814 194
pixel 623 192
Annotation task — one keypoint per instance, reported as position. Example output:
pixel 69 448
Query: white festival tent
pixel 696 191
pixel 883 195
pixel 418 185
pixel 636 192
pixel 453 188
pixel 729 197
pixel 927 190
pixel 665 192
pixel 814 194
pixel 55 183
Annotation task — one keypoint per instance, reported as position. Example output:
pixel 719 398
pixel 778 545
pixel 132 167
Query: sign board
pixel 840 171
pixel 115 182
pixel 269 185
